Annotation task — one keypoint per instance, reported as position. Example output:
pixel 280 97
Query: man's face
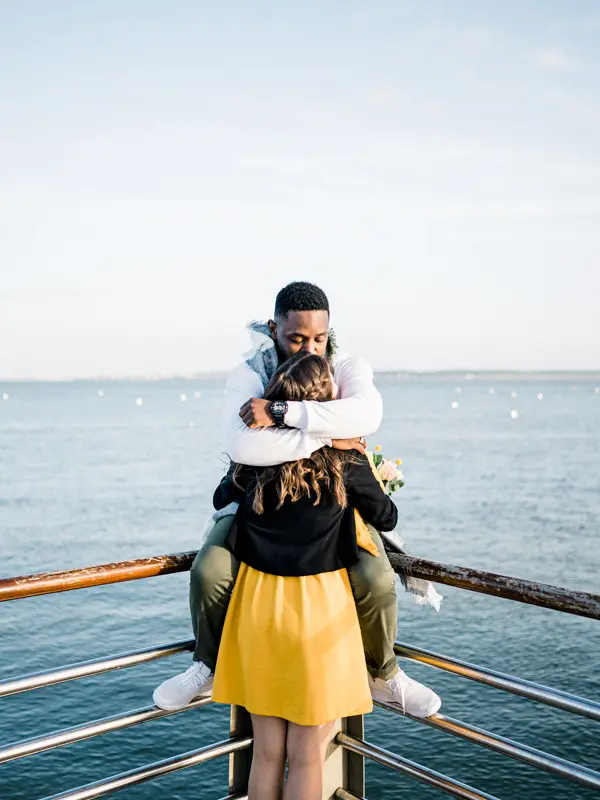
pixel 305 331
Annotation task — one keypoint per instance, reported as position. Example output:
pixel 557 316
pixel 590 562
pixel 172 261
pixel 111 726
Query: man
pixel 260 433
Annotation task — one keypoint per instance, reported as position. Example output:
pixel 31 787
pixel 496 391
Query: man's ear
pixel 273 328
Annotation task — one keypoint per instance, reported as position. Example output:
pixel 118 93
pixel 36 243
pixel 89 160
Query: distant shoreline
pixel 496 375
pixel 400 375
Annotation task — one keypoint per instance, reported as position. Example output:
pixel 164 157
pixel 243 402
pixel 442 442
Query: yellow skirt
pixel 291 648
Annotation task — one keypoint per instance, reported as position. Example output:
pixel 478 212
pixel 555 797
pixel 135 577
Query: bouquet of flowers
pixel 389 472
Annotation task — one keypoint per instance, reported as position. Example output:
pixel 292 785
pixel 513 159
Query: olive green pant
pixel 213 575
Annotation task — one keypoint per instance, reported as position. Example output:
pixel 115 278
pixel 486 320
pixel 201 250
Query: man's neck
pixel 281 357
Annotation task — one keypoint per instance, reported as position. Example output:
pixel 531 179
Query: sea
pixel 501 474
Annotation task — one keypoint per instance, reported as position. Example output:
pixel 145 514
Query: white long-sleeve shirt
pixel 356 411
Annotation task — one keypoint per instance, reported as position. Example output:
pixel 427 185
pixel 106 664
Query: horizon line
pixel 465 374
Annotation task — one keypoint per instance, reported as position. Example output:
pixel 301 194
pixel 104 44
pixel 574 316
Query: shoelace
pixel 402 698
pixel 192 679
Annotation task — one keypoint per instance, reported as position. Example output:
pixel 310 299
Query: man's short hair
pixel 300 296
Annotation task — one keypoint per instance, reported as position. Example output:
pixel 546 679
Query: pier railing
pixel 344 774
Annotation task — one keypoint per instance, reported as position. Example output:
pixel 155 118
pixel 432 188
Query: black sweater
pixel 301 538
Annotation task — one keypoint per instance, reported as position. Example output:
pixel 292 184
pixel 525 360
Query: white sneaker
pixel 178 692
pixel 413 697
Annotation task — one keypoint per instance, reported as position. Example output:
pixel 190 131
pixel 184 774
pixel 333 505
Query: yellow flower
pixel 398 462
pixel 378 448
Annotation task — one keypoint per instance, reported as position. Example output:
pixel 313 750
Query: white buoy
pixel 514 413
pixel 540 396
pixel 491 391
pixel 597 389
pixel 458 389
pixel 139 402
pixel 192 424
pixel 6 396
pixel 454 404
pixel 100 393
pixel 183 397
pixel 513 394
pixel 197 394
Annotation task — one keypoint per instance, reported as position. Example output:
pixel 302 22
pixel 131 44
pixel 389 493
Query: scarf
pixel 263 359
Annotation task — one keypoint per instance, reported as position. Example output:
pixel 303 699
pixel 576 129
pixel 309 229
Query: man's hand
pixel 254 413
pixel 358 443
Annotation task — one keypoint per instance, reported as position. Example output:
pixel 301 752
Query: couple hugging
pixel 292 596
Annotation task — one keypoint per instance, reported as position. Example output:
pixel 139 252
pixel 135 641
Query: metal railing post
pixel 240 761
pixel 354 764
pixel 343 769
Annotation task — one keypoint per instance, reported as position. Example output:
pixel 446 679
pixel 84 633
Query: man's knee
pixel 372 578
pixel 213 570
pixel 211 566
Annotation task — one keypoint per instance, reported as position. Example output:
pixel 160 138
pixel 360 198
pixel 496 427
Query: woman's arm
pixel 368 498
pixel 227 491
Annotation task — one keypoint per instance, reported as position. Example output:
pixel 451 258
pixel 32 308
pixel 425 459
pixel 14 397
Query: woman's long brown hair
pixel 304 376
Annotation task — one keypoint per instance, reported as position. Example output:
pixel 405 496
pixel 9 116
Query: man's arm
pixel 260 447
pixel 368 498
pixel 357 412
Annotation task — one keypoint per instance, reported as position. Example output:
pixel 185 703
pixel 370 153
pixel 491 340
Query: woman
pixel 291 650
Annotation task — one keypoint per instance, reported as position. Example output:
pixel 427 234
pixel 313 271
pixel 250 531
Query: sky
pixel 165 167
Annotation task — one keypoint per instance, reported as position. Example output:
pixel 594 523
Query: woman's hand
pixel 357 443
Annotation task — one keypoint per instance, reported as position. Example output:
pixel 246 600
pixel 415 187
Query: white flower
pixel 387 471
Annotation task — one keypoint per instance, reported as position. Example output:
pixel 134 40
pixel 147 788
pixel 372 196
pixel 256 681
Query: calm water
pixel 87 479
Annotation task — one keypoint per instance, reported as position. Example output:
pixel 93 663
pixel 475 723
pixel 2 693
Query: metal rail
pixel 156 770
pixel 500 680
pixel 50 741
pixel 411 768
pixel 555 597
pixel 508 747
pixel 533 593
pixel 84 669
pixel 235 797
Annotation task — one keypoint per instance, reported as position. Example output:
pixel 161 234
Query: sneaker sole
pixel 166 706
pixel 433 708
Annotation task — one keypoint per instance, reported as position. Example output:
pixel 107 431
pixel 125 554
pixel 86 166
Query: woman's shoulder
pixel 357 465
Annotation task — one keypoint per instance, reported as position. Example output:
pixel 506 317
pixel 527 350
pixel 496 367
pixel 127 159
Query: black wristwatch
pixel 278 409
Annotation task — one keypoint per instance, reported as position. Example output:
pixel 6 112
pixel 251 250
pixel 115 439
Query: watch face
pixel 278 407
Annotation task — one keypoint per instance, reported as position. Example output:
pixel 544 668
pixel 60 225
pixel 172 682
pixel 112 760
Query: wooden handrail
pixel 116 572
pixel 570 601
